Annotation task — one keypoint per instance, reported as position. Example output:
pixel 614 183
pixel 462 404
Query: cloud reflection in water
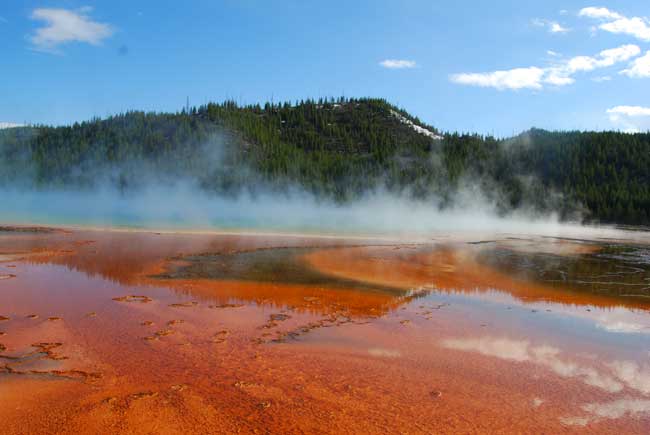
pixel 622 374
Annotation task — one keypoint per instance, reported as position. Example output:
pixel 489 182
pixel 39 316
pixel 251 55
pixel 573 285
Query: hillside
pixel 338 149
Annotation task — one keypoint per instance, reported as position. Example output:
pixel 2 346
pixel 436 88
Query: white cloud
pixel 620 54
pixel 639 68
pixel 580 63
pixel 614 22
pixel 598 13
pixel 397 63
pixel 638 27
pixel 552 26
pixel 602 79
pixel 4 125
pixel 630 110
pixel 552 53
pixel 557 28
pixel 558 74
pixel 556 78
pixel 518 78
pixel 64 26
pixel 631 119
pixel 604 59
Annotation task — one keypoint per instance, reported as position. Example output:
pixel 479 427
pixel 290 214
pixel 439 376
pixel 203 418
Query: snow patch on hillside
pixel 417 128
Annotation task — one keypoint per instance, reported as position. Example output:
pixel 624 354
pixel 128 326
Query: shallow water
pixel 142 332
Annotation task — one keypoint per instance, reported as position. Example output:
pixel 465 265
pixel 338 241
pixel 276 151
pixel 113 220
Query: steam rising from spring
pixel 174 199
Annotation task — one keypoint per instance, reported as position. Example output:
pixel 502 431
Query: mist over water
pixel 183 206
pixel 172 195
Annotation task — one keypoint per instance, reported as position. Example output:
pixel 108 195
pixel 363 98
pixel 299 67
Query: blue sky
pixel 496 67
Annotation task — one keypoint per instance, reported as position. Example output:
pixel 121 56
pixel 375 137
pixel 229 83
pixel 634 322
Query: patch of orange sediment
pixel 318 300
pixel 303 388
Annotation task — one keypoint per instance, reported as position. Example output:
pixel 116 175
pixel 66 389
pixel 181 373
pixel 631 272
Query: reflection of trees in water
pixel 616 270
pixel 272 265
pixel 278 277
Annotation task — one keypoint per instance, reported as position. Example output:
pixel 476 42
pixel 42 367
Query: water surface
pixel 144 332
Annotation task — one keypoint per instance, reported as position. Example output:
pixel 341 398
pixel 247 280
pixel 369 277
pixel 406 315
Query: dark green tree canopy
pixel 338 149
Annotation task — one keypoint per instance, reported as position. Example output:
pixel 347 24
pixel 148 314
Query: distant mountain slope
pixel 338 149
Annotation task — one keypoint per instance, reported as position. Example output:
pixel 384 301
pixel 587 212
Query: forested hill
pixel 338 149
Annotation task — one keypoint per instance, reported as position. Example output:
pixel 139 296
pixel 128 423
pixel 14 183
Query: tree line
pixel 339 149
